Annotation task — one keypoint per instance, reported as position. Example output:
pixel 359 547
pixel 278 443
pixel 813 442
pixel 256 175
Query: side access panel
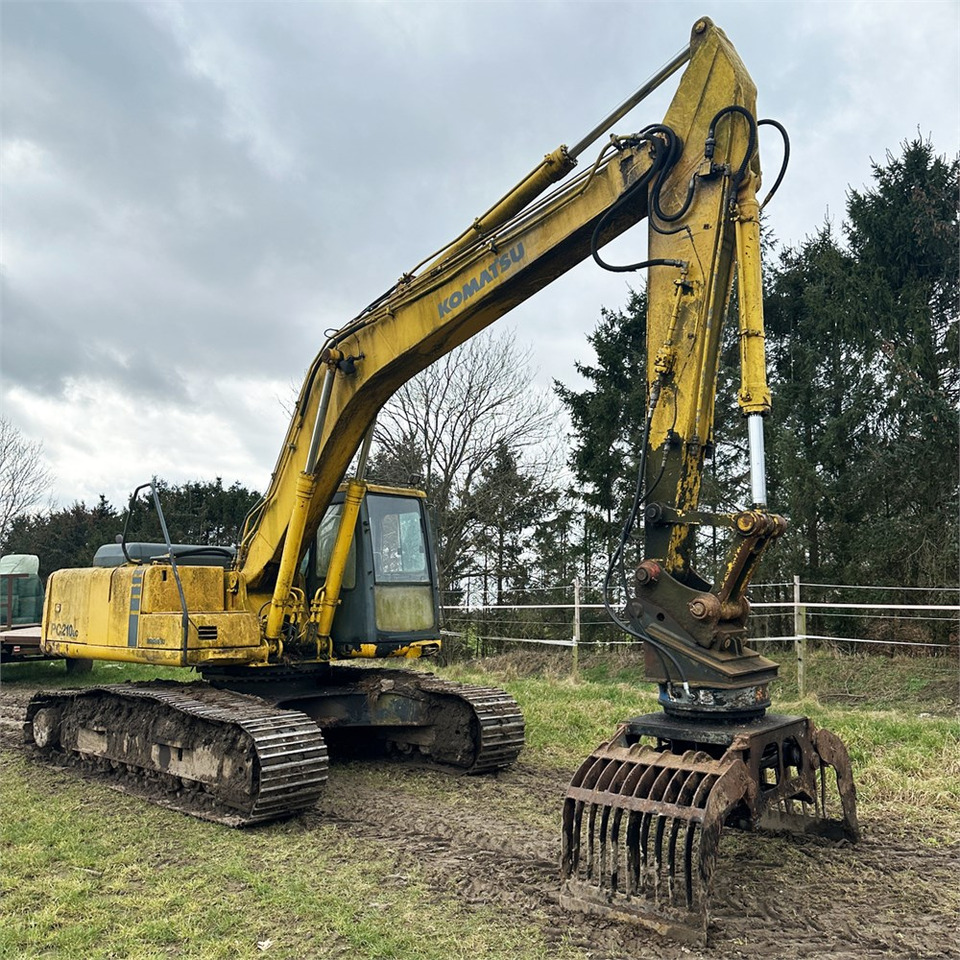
pixel 134 614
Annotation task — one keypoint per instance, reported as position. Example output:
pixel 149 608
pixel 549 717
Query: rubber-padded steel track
pixel 215 754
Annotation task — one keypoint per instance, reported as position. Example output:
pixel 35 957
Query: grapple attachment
pixel 651 824
pixel 642 821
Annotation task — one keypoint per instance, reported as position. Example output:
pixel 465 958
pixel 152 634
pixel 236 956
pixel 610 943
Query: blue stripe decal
pixel 133 622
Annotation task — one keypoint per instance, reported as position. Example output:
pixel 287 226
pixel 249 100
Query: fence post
pixel 576 626
pixel 800 635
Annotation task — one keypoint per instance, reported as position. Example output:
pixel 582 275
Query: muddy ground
pixel 494 841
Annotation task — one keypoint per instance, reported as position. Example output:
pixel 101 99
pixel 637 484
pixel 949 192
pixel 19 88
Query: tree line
pixel 863 350
pixel 200 512
pixel 862 441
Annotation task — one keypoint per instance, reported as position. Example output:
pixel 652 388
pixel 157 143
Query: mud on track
pixel 493 841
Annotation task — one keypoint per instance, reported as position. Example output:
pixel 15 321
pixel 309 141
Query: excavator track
pixel 213 754
pixel 497 722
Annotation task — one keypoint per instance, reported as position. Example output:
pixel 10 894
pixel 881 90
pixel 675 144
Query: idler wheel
pixel 46 728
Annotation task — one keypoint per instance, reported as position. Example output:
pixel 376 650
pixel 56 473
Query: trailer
pixel 21 609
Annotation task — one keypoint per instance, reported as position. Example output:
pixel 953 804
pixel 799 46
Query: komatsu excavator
pixel 330 571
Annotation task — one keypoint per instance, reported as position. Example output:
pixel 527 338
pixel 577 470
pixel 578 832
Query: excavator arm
pixel 701 161
pixel 643 815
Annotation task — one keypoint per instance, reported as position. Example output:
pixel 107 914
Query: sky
pixel 192 193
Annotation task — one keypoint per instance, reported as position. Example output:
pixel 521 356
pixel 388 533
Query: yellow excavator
pixel 329 572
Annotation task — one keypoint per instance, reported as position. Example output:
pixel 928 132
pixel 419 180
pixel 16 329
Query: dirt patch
pixel 493 842
pixel 774 897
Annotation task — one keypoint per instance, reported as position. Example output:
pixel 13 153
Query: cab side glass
pixel 326 536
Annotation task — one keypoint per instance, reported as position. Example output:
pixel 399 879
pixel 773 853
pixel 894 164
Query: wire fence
pixel 805 619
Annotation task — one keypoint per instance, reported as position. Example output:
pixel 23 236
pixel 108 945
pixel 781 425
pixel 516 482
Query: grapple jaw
pixel 642 821
pixel 641 829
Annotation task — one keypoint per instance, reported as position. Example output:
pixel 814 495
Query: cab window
pixel 326 536
pixel 399 539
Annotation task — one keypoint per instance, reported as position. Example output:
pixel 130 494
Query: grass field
pixel 380 871
pixel 906 756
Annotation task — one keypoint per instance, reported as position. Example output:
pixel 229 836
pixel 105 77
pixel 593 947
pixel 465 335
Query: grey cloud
pixel 211 185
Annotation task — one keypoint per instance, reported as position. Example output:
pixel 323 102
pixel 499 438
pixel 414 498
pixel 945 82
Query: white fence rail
pixel 897 626
pixel 485 624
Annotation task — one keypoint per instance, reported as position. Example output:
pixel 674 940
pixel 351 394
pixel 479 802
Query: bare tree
pixel 23 477
pixel 449 424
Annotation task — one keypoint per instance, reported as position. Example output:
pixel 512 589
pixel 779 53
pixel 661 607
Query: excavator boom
pixel 508 255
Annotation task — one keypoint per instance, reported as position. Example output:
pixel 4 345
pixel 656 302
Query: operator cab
pixel 389 593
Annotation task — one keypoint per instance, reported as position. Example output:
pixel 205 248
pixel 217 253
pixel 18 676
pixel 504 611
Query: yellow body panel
pixel 133 613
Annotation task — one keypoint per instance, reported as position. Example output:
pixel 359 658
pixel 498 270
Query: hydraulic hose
pixel 711 144
pixel 616 561
pixel 666 148
pixel 783 163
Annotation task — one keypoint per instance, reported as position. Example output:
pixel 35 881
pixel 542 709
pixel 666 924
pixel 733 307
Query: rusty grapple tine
pixel 733 786
pixel 832 752
pixel 651 872
pixel 799 802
